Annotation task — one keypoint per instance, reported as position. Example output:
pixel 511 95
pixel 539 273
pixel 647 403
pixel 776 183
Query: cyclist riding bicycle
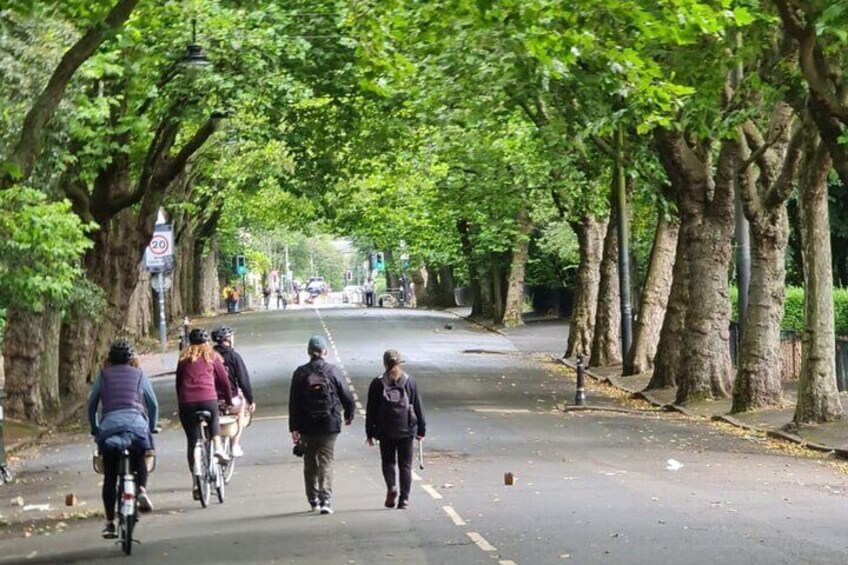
pixel 240 388
pixel 129 414
pixel 200 375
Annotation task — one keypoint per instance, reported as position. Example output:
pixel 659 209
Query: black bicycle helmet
pixel 222 333
pixel 198 336
pixel 121 352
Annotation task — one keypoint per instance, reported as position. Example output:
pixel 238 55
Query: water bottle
pixel 128 502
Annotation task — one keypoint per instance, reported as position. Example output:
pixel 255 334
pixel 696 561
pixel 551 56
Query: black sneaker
pixel 403 504
pixel 314 505
pixel 326 508
pixel 109 531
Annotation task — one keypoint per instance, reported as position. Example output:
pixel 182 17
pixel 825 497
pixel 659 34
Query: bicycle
pixel 231 426
pixel 207 469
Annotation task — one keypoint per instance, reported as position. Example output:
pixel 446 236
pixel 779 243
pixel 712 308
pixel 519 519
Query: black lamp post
pixel 195 58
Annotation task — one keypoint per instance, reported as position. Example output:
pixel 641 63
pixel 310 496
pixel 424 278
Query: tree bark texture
pixel 23 349
pixel 28 147
pixel 763 196
pixel 668 361
pixel 655 297
pixel 818 398
pixel 590 235
pixel 707 223
pixel 606 340
pixel 515 281
pixel 475 287
pixel 49 363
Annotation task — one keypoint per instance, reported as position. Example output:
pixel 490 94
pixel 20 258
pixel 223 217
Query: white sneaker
pixel 238 451
pixel 221 456
pixel 326 508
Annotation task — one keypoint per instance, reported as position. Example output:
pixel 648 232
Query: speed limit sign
pixel 159 255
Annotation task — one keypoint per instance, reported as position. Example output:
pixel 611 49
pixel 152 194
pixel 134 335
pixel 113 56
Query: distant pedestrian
pixel 281 298
pixel 317 398
pixel 227 293
pixel 235 297
pixel 369 293
pixel 266 295
pixel 395 416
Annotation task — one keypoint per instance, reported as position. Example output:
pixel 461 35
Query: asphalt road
pixel 591 487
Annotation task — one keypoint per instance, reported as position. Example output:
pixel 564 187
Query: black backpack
pixel 397 416
pixel 320 396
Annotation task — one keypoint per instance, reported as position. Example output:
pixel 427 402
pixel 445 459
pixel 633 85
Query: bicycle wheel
pixel 202 478
pixel 219 481
pixel 230 465
pixel 126 518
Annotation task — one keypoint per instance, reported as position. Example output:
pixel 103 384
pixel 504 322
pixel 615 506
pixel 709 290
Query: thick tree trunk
pixel 606 341
pixel 49 363
pixel 582 325
pixel 759 364
pixel 668 361
pixel 818 398
pixel 475 287
pixel 23 349
pixel 140 312
pixel 655 299
pixel 206 296
pixel 515 283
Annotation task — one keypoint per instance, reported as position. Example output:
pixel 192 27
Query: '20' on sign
pixel 160 245
pixel 159 255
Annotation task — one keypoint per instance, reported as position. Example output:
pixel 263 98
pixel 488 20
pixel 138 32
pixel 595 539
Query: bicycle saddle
pixel 204 415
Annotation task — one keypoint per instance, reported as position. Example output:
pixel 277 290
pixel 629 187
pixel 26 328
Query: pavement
pixel 541 334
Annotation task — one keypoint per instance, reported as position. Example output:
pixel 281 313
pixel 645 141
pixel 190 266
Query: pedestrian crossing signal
pixel 379 264
pixel 239 264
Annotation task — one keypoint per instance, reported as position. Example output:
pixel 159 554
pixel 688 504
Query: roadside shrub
pixel 793 314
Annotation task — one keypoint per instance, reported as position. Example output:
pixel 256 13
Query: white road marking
pixel 481 541
pixel 453 515
pixel 503 410
pixel 280 417
pixel 432 492
pixel 415 476
pixel 359 405
pixel 506 562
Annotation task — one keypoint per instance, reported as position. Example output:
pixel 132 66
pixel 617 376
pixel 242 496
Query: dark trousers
pixel 111 468
pixel 191 427
pixel 397 453
pixel 369 299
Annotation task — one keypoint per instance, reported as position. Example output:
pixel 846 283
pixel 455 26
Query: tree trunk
pixel 655 299
pixel 23 348
pixel 475 287
pixel 818 398
pixel 668 362
pixel 49 363
pixel 515 284
pixel 606 341
pixel 582 325
pixel 447 296
pixel 206 276
pixel 498 302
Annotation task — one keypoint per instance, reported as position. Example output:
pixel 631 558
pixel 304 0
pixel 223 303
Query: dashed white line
pixel 481 541
pixel 415 476
pixel 453 515
pixel 506 562
pixel 432 492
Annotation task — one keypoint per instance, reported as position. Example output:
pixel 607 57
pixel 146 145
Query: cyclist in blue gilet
pixel 129 413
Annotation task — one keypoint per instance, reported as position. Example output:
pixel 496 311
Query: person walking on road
pixel 317 398
pixel 201 378
pixel 394 416
pixel 129 413
pixel 369 292
pixel 240 389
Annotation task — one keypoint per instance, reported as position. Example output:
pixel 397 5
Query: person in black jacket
pixel 240 388
pixel 317 397
pixel 395 416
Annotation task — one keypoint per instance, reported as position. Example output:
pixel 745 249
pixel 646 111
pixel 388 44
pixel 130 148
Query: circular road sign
pixel 160 245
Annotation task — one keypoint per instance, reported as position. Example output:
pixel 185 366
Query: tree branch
pixel 785 183
pixel 21 162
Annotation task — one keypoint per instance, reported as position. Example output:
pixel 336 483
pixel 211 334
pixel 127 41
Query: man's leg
pixel 325 456
pixel 310 467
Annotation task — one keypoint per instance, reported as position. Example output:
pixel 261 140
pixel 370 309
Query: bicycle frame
pixel 127 507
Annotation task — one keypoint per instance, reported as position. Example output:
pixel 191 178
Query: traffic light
pixel 239 264
pixel 379 264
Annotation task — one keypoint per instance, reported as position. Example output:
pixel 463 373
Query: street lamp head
pixel 195 58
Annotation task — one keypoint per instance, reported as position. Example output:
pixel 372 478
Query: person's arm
pixel 371 407
pixel 151 402
pixel 418 408
pixel 93 402
pixel 243 377
pixel 345 396
pixel 294 407
pixel 222 380
pixel 178 381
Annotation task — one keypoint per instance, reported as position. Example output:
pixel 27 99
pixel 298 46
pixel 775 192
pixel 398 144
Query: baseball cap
pixel 391 358
pixel 316 343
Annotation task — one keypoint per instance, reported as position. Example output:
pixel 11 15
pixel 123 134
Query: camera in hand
pixel 298 450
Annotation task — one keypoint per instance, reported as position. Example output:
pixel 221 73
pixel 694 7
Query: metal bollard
pixel 184 331
pixel 5 474
pixel 580 395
